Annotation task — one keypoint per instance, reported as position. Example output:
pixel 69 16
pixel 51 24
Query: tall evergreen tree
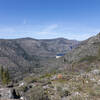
pixel 4 75
pixel 6 78
pixel 1 72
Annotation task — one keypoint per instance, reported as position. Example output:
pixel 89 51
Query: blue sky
pixel 72 19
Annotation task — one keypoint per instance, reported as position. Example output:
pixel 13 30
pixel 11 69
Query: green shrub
pixel 78 98
pixel 94 93
pixel 89 58
pixel 23 88
pixel 62 93
pixel 30 79
pixel 37 93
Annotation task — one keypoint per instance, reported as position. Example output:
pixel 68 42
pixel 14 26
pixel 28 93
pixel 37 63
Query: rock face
pixel 6 93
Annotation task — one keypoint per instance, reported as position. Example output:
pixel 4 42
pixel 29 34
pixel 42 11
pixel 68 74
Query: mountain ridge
pixel 23 55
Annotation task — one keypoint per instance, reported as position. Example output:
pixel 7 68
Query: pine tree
pixel 1 72
pixel 6 78
pixel 4 75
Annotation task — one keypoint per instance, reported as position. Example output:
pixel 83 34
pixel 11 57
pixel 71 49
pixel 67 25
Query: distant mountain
pixel 47 47
pixel 23 55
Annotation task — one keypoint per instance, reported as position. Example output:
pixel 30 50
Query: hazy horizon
pixel 47 38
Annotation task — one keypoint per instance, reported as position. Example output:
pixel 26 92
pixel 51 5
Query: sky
pixel 46 19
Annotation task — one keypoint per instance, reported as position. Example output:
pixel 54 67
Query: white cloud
pixel 49 29
pixel 79 36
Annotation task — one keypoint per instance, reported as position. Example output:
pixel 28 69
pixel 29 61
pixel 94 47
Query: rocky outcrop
pixel 7 93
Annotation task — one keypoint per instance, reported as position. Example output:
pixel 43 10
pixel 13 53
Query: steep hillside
pixel 26 54
pixel 88 47
pixel 86 55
